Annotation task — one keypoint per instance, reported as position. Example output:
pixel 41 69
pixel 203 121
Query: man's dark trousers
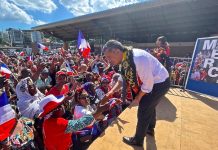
pixel 146 110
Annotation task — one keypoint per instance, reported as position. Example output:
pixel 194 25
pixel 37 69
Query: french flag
pixel 43 47
pixel 5 71
pixel 7 117
pixel 83 45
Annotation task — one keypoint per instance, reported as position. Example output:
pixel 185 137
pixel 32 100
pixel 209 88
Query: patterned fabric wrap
pixel 128 70
pixel 23 137
pixel 76 125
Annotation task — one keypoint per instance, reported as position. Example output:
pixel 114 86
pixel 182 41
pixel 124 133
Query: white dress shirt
pixel 149 70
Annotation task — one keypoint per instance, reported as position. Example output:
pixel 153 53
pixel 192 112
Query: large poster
pixel 203 73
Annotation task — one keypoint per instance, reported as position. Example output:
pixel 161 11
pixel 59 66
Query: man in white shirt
pixel 148 79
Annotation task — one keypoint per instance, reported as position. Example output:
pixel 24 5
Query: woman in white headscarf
pixel 29 96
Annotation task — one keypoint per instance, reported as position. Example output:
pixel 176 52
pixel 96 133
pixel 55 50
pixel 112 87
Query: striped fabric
pixel 7 117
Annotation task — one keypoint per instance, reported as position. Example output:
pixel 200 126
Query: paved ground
pixel 185 121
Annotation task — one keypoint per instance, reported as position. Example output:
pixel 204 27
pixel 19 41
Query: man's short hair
pixel 25 72
pixel 112 44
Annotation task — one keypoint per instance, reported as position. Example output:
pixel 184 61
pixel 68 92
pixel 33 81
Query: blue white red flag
pixel 5 71
pixel 43 47
pixel 7 117
pixel 83 45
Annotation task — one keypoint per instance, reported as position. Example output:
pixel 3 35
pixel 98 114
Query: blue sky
pixel 24 14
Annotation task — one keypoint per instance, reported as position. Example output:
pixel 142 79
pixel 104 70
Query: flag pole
pixel 101 44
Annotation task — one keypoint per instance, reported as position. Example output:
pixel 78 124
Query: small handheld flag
pixel 7 117
pixel 83 45
pixel 5 71
pixel 43 47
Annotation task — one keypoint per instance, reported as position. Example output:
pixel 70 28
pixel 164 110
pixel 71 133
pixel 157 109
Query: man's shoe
pixel 150 132
pixel 132 141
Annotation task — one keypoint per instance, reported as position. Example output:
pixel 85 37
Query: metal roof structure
pixel 178 20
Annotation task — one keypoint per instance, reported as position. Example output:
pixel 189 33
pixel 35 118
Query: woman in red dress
pixel 60 88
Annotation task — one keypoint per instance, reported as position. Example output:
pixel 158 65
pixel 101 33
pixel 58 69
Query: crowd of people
pixel 199 73
pixel 63 100
pixel 35 84
pixel 179 71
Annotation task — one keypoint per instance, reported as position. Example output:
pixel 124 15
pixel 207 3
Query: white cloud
pixel 10 11
pixel 77 7
pixel 45 6
pixel 82 7
pixel 39 22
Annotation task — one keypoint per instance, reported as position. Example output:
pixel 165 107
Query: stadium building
pixel 181 21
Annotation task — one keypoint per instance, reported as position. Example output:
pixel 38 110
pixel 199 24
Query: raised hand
pixel 41 66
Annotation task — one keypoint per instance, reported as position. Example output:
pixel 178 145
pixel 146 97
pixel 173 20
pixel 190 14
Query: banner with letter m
pixel 203 72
